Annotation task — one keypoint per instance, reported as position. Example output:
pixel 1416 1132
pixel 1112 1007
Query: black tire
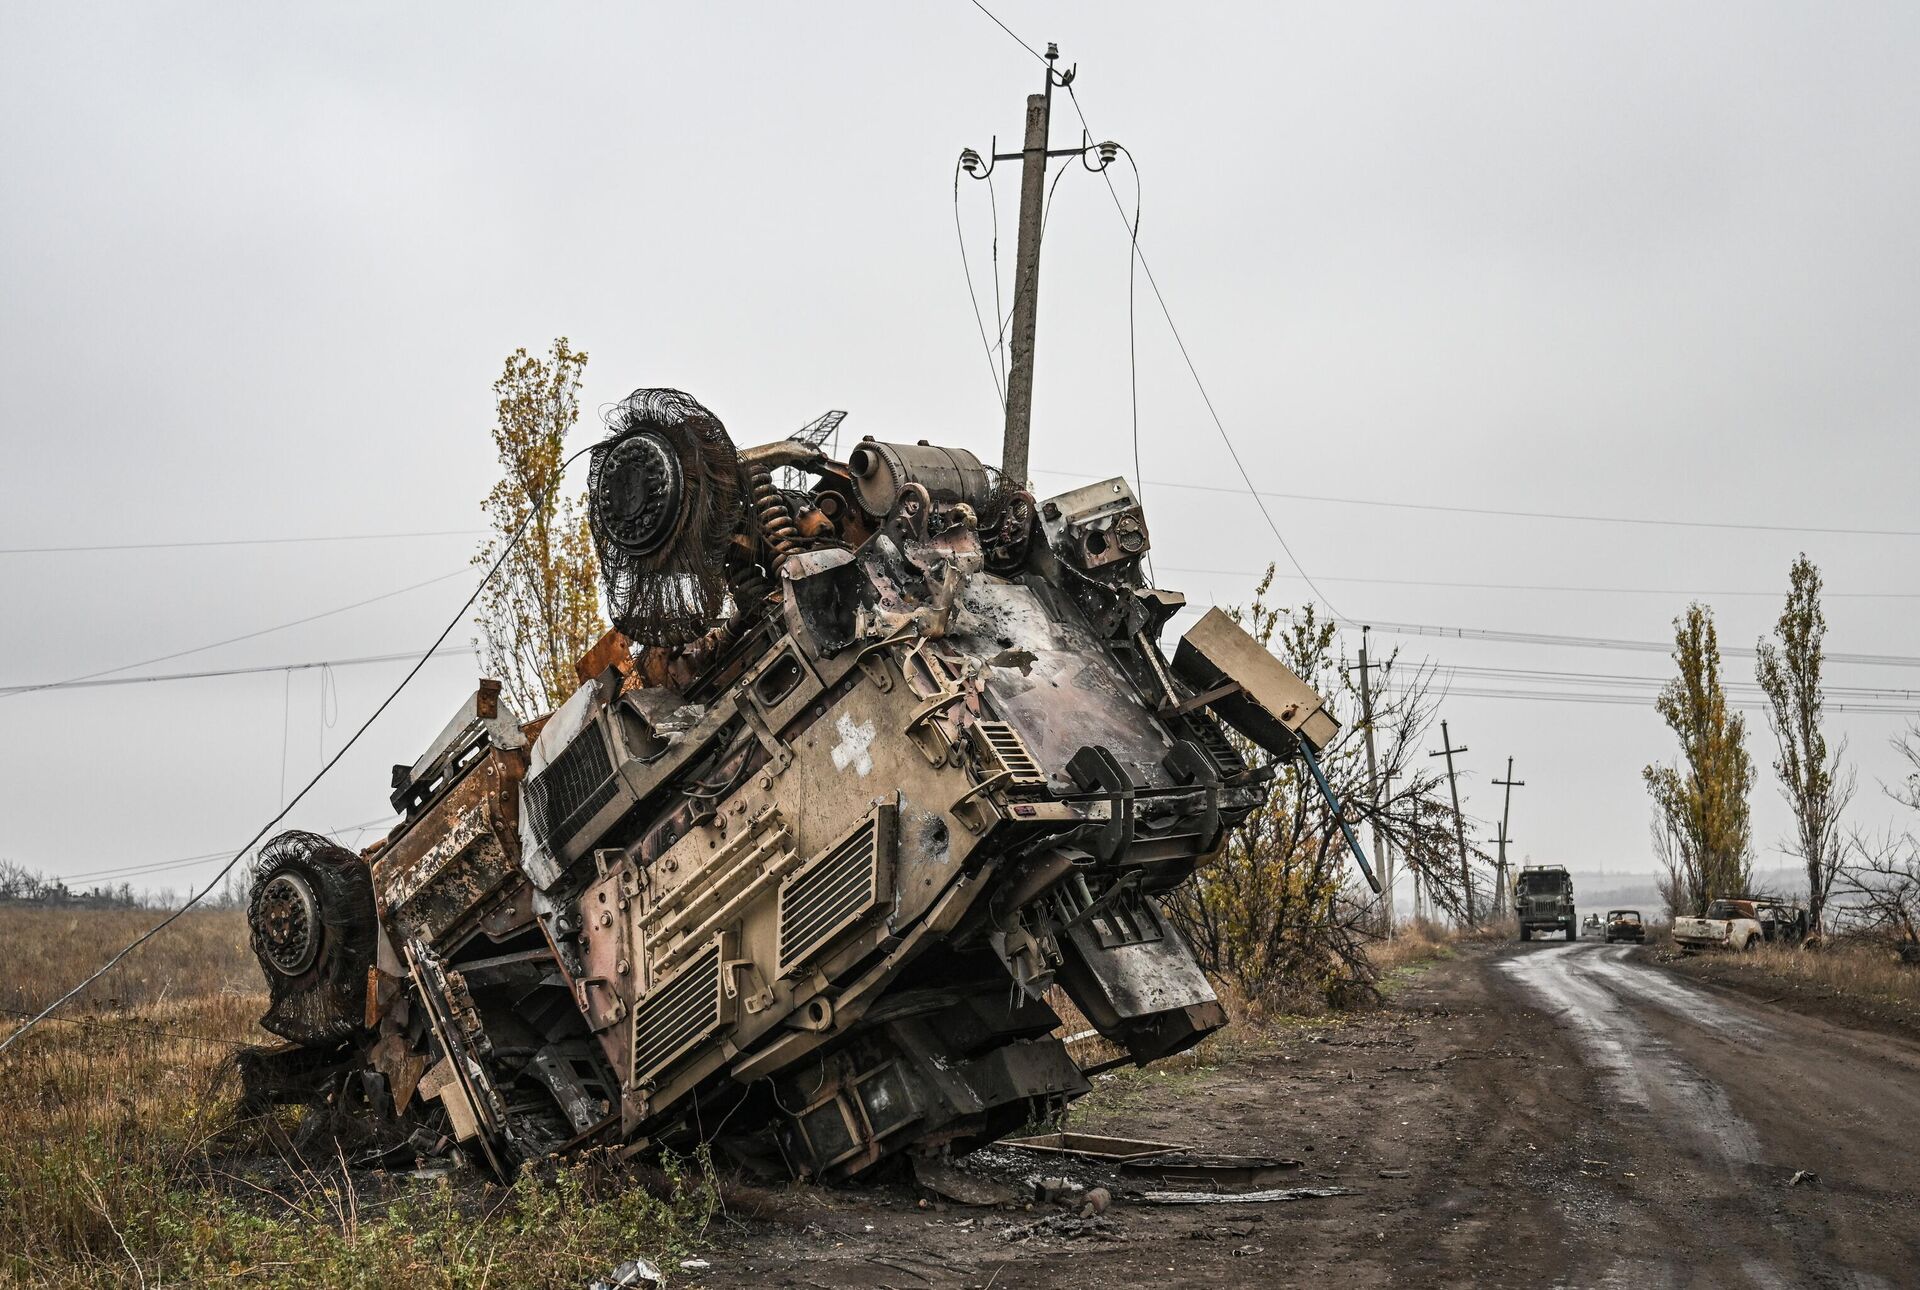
pixel 1573 926
pixel 1526 933
pixel 312 925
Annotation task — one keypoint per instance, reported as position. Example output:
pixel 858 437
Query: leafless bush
pixel 1877 890
pixel 1276 911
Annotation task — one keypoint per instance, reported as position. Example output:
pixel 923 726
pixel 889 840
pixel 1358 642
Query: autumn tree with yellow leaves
pixel 1703 829
pixel 542 610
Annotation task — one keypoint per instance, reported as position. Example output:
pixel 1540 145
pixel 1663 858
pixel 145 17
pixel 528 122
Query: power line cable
pixel 993 367
pixel 1638 701
pixel 1530 587
pixel 1604 642
pixel 1621 679
pixel 185 862
pixel 123 1024
pixel 1568 516
pixel 1172 327
pixel 156 929
pixel 1133 352
pixel 1000 338
pixel 1200 385
pixel 217 542
pixel 1003 27
pixel 361 661
pixel 7 692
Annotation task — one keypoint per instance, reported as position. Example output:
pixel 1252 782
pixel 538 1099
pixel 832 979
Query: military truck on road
pixel 1543 901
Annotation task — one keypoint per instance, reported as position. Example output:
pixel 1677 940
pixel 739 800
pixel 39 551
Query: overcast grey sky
pixel 259 265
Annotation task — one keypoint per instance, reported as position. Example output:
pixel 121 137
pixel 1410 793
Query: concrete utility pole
pixel 1026 280
pixel 1373 782
pixel 1459 828
pixel 1033 158
pixel 1386 788
pixel 1506 811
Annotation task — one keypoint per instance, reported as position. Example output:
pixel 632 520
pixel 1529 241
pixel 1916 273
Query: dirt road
pixel 1536 1115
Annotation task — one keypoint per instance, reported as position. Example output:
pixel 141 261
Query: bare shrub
pixel 1277 911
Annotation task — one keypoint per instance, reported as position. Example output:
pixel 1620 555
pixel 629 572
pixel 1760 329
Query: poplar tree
pixel 1812 779
pixel 1702 799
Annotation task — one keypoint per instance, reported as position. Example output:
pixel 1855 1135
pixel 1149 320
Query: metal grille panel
pixel 677 1015
pixel 572 788
pixel 830 892
pixel 1003 744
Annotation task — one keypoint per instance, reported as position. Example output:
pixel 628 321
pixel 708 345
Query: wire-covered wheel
pixel 636 504
pixel 287 926
pixel 313 927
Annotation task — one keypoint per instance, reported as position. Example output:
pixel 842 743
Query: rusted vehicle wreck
pixel 868 765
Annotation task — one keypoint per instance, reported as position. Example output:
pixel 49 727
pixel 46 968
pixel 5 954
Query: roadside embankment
pixel 1863 984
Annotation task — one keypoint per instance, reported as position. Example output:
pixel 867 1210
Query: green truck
pixel 1543 901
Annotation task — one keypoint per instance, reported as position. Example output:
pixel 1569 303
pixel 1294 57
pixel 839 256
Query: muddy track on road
pixel 1535 1115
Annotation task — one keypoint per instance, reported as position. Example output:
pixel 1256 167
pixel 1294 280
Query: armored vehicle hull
pixel 865 770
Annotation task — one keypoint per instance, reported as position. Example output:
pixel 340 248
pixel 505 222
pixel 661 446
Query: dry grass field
pixel 125 1162
pixel 47 950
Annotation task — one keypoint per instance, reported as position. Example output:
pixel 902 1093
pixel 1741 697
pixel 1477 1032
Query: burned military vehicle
pixel 867 766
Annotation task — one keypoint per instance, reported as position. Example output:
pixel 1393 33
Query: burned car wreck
pixel 867 766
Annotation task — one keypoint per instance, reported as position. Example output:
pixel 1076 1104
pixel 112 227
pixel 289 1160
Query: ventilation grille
pixel 571 789
pixel 678 1015
pixel 834 889
pixel 1002 744
pixel 1213 740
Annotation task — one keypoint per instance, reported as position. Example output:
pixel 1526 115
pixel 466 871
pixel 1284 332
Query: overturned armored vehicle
pixel 867 766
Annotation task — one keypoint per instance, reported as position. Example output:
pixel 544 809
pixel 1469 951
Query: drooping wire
pixel 1046 212
pixel 993 367
pixel 1200 385
pixel 1000 341
pixel 1178 340
pixel 1133 357
pixel 329 705
pixel 218 878
pixel 123 1026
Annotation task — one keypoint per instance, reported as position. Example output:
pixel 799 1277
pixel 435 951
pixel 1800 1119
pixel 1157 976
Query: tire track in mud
pixel 1716 1104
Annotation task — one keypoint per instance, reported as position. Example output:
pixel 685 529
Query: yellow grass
pixel 1253 1028
pixel 1860 972
pixel 123 1160
pixel 47 950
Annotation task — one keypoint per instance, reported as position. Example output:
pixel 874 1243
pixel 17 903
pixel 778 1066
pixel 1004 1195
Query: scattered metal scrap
pixel 865 768
pixel 1214 1170
pixel 1160 1161
pixel 1092 1146
pixel 1243 1197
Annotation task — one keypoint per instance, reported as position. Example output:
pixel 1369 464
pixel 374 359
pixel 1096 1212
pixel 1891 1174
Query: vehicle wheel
pixel 312 922
pixel 1751 942
pixel 1526 933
